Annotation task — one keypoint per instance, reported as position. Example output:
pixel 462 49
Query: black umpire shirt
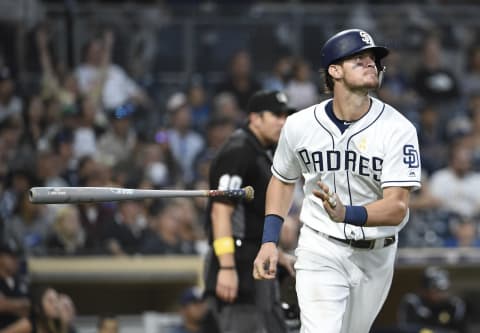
pixel 240 162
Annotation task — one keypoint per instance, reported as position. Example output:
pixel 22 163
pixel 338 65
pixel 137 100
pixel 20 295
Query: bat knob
pixel 249 193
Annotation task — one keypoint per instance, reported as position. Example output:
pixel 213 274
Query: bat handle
pixel 246 193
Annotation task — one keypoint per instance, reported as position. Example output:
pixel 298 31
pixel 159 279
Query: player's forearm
pixel 221 215
pixel 389 211
pixel 279 197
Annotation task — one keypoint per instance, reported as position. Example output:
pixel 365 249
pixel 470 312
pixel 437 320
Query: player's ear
pixel 334 71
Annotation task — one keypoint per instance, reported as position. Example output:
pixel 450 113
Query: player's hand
pixel 265 264
pixel 331 202
pixel 227 285
pixel 287 261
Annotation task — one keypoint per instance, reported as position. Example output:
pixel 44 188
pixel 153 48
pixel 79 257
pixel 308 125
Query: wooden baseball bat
pixel 57 195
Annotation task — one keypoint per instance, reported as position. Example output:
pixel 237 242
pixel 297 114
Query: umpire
pixel 235 228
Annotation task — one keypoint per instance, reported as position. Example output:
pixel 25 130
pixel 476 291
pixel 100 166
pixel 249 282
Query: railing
pixel 135 285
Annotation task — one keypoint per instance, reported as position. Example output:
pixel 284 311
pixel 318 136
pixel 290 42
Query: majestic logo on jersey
pixel 366 38
pixel 334 160
pixel 410 156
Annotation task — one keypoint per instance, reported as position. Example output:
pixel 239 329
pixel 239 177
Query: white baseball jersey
pixel 377 151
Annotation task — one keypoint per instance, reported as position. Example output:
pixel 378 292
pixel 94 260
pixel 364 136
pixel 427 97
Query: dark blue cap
pixel 191 295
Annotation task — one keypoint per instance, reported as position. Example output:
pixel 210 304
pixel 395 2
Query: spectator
pixel 47 169
pixel 64 159
pixel 68 311
pixel 301 90
pixel 240 81
pixel 199 103
pixel 163 233
pixel 86 130
pixel 434 82
pixel 471 77
pixel 106 83
pixel 47 317
pixel 218 130
pixel 433 308
pixel 185 144
pixel 66 236
pixel 462 183
pixel 189 227
pixel 474 114
pixel 108 324
pixel 11 152
pixel 225 106
pixel 28 227
pixel 193 310
pixel 122 234
pixel 14 297
pixel 118 142
pixel 10 104
pixel 463 232
pixel 280 75
pixel 17 182
pixel 62 88
pixel 35 123
pixel 155 163
pixel 432 139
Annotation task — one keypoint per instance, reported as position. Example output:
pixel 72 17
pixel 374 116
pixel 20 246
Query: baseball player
pixel 433 308
pixel 235 227
pixel 359 158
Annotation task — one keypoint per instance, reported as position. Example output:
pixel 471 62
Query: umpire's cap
pixel 274 101
pixel 347 43
pixel 435 278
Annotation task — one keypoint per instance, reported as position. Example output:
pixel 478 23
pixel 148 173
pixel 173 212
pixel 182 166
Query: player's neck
pixel 350 107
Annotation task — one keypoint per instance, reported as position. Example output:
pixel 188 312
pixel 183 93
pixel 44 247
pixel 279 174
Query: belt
pixel 361 243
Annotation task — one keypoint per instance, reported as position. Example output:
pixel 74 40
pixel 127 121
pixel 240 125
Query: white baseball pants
pixel 340 289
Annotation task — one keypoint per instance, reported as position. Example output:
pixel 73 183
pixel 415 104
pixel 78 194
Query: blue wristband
pixel 356 215
pixel 271 228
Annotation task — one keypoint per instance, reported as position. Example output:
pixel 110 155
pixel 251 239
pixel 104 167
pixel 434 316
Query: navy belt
pixel 361 243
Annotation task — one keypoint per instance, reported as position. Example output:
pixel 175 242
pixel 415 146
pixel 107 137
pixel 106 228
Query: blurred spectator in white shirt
pixel 301 90
pixel 108 82
pixel 456 186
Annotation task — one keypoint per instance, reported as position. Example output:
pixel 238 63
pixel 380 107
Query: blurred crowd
pixel 94 124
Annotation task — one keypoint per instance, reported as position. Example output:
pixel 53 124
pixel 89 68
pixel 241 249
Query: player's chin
pixel 371 84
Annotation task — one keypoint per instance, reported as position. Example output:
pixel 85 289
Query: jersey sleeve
pixel 285 164
pixel 401 165
pixel 228 172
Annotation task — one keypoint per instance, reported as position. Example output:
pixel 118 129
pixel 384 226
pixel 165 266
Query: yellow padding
pixel 223 245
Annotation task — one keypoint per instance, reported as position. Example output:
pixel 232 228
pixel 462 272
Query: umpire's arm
pixel 227 279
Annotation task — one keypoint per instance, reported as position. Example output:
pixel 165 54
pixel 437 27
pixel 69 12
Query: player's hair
pixel 328 81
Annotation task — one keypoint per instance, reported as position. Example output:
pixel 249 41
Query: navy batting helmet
pixel 350 42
